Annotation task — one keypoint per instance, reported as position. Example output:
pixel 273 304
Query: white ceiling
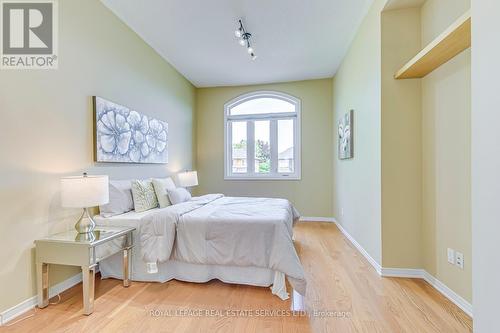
pixel 294 39
pixel 400 4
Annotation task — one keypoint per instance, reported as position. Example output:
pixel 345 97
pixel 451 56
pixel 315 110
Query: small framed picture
pixel 345 136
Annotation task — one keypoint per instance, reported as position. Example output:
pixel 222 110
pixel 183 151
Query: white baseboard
pixel 448 293
pixel 30 303
pixel 358 246
pixel 316 219
pixel 458 300
pixel 414 273
pixel 433 281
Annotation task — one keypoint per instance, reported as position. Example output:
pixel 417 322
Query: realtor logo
pixel 29 34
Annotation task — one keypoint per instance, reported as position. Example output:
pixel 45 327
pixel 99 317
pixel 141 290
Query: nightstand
pixel 84 250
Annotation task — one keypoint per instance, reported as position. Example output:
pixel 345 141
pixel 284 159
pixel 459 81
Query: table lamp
pixel 188 179
pixel 84 192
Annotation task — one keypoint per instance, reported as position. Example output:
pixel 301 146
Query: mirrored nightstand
pixel 84 250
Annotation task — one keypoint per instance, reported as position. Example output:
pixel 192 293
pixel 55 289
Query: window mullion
pixel 229 147
pixel 264 116
pixel 274 146
pixel 296 147
pixel 251 147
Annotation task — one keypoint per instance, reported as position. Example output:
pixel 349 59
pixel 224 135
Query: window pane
pixel 262 147
pixel 285 146
pixel 263 105
pixel 239 146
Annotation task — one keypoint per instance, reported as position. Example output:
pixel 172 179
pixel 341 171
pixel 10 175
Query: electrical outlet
pixel 341 211
pixel 451 256
pixel 459 260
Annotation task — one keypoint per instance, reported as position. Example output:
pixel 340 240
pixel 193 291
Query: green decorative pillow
pixel 144 195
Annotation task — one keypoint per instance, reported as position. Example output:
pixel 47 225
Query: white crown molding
pixel 31 302
pixel 316 219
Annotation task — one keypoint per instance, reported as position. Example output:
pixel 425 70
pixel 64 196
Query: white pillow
pixel 144 195
pixel 161 186
pixel 120 198
pixel 178 195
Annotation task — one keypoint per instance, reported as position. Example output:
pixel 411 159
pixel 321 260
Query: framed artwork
pixel 345 136
pixel 126 136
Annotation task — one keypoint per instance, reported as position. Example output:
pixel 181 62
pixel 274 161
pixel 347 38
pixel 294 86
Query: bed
pixel 233 239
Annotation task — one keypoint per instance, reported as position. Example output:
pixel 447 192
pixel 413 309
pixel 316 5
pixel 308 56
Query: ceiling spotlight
pixel 244 39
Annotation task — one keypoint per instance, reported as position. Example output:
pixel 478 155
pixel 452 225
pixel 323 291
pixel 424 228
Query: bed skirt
pixel 182 271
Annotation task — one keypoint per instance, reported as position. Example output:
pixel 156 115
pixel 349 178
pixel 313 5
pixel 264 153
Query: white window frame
pixel 273 118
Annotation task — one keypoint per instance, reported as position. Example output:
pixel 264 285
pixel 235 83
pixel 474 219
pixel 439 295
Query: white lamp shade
pixel 84 191
pixel 188 178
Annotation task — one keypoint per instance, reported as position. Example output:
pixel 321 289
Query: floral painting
pixel 127 136
pixel 345 135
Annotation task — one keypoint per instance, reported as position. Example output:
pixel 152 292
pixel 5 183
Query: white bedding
pixel 220 231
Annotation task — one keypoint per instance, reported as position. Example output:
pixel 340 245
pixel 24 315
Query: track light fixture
pixel 244 39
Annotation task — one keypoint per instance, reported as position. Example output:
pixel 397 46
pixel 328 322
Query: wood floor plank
pixel 344 294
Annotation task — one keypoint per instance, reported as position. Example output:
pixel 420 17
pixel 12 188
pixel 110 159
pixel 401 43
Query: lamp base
pixel 86 223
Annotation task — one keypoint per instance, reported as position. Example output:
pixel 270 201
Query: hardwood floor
pixel 344 294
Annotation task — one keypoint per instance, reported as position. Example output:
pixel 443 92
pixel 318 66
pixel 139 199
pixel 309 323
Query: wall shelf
pixel 450 43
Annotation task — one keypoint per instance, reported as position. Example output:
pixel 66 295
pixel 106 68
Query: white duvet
pixel 219 230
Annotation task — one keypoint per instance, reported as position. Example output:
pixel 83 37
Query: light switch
pixel 451 256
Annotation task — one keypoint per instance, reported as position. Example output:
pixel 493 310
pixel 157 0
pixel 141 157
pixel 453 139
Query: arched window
pixel 262 136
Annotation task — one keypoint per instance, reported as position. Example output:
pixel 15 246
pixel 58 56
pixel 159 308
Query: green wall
pixel 312 195
pixel 46 118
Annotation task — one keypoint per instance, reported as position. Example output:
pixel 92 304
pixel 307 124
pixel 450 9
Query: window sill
pixel 263 178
